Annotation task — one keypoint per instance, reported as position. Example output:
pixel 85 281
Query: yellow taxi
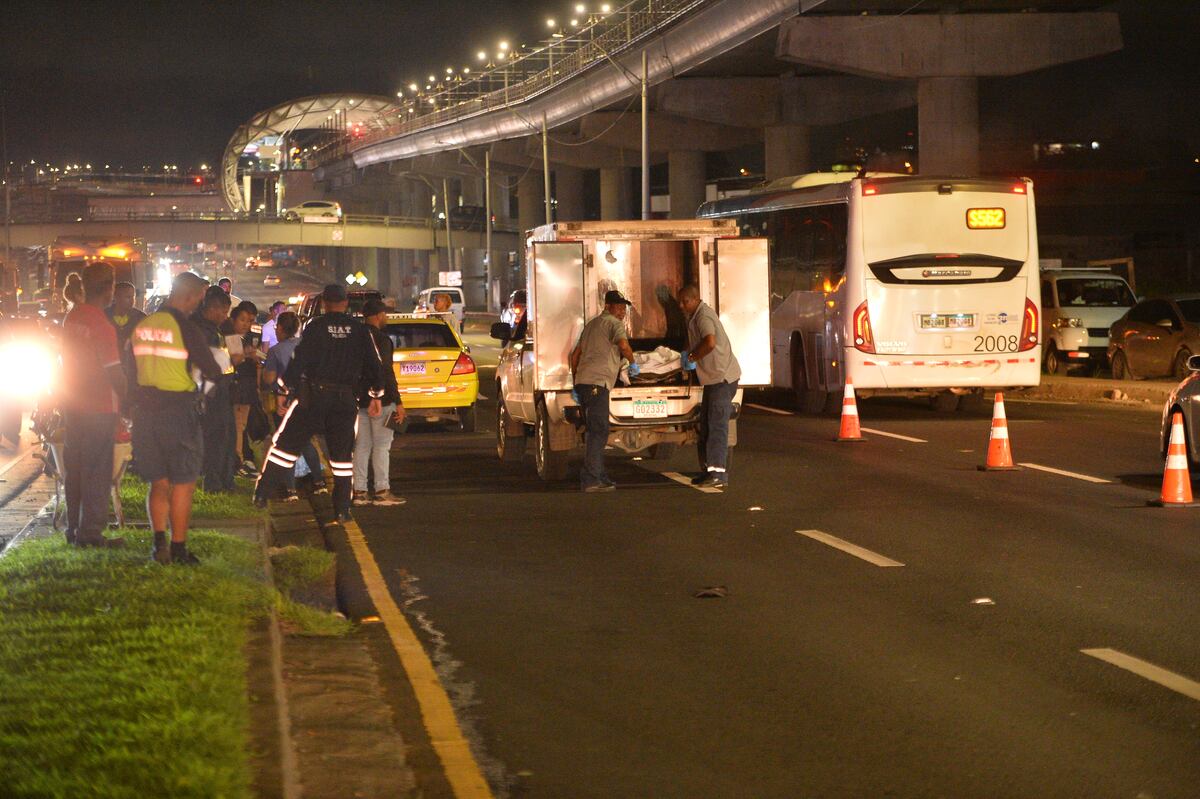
pixel 434 370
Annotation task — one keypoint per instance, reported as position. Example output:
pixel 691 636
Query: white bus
pixel 904 285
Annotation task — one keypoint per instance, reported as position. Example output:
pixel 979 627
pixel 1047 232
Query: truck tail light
pixel 863 340
pixel 1029 326
pixel 464 365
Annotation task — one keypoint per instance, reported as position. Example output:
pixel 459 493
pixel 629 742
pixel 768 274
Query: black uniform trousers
pixel 332 411
pixel 220 433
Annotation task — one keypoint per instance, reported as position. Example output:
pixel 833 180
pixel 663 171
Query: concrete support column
pixel 568 191
pixel 948 113
pixel 787 150
pixel 614 193
pixel 685 181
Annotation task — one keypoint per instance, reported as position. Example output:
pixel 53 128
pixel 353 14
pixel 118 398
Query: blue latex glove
pixel 575 396
pixel 634 369
pixel 686 362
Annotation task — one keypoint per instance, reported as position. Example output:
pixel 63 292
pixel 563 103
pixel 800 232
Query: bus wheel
pixel 944 402
pixel 811 401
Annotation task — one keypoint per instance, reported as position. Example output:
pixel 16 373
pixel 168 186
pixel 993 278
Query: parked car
pixel 1155 339
pixel 272 280
pixel 1078 307
pixel 311 304
pixel 458 306
pixel 1185 399
pixel 436 375
pixel 314 211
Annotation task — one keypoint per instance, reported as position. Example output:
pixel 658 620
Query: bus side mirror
pixel 501 331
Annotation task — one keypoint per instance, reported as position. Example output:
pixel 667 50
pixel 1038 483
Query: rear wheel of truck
pixel 510 436
pixel 551 464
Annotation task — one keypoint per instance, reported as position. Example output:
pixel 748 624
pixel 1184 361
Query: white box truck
pixel 571 266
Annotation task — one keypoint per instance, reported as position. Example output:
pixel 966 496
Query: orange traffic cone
pixel 850 431
pixel 999 455
pixel 1177 483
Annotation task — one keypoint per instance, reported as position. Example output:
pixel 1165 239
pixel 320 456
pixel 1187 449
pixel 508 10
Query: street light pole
pixel 487 208
pixel 546 169
pixel 645 143
pixel 449 242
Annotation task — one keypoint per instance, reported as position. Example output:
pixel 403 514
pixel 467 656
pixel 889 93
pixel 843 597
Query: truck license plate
pixel 649 409
pixel 412 368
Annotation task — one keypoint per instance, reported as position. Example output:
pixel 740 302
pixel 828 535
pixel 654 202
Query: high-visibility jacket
pixel 161 354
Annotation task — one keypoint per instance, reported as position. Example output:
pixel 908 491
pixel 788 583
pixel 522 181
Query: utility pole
pixel 487 210
pixel 645 143
pixel 449 241
pixel 546 168
pixel 9 268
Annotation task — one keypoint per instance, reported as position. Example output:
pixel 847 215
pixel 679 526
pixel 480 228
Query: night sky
pixel 168 82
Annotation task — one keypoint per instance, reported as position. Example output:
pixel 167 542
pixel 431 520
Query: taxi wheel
pixel 551 464
pixel 510 436
pixel 466 419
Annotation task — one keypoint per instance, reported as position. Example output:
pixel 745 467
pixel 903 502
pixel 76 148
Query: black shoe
pixel 260 502
pixel 341 517
pixel 161 553
pixel 290 495
pixel 180 555
pixel 711 480
pixel 320 488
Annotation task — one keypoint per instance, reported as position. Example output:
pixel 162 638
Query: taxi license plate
pixel 412 368
pixel 649 409
pixel 948 321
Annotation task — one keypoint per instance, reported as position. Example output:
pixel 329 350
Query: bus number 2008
pixel 996 343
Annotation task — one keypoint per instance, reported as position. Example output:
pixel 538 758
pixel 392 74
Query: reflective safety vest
pixel 161 355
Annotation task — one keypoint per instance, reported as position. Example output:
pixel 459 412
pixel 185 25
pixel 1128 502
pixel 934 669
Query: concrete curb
pixel 1082 389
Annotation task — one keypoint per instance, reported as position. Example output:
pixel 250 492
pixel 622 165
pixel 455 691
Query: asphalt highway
pixel 567 630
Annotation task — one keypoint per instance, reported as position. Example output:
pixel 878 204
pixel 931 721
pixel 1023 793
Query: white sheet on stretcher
pixel 660 361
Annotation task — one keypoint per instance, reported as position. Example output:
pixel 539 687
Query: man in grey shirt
pixel 595 364
pixel 710 354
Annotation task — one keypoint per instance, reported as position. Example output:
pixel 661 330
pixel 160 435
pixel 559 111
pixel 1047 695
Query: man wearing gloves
pixel 711 356
pixel 595 364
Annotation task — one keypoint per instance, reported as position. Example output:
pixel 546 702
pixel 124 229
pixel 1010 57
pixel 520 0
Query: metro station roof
pixel 306 113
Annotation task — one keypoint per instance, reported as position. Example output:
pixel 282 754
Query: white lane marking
pixel 894 435
pixel 769 410
pixel 851 549
pixel 687 481
pixel 1147 670
pixel 1064 473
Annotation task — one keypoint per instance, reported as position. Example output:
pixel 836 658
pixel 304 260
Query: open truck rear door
pixel 743 278
pixel 556 311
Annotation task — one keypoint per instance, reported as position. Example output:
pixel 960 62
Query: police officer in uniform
pixel 335 356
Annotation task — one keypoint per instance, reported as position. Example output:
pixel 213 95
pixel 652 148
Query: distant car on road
pixel 314 210
pixel 1155 339
pixel 457 303
pixel 272 280
pixel 1185 399
pixel 1078 307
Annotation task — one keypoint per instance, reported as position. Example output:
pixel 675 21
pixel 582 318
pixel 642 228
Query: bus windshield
pixel 1089 292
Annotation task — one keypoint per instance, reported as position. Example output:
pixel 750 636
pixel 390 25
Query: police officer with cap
pixel 595 364
pixel 335 356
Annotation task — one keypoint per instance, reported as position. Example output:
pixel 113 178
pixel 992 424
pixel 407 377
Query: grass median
pixel 120 678
pixel 217 506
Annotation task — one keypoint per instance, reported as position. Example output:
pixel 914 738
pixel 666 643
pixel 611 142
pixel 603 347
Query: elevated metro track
pixel 356 231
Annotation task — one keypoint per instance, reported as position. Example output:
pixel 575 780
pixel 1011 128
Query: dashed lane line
pixel 1087 478
pixel 1167 679
pixel 687 481
pixel 462 772
pixel 769 409
pixel 851 549
pixel 873 431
